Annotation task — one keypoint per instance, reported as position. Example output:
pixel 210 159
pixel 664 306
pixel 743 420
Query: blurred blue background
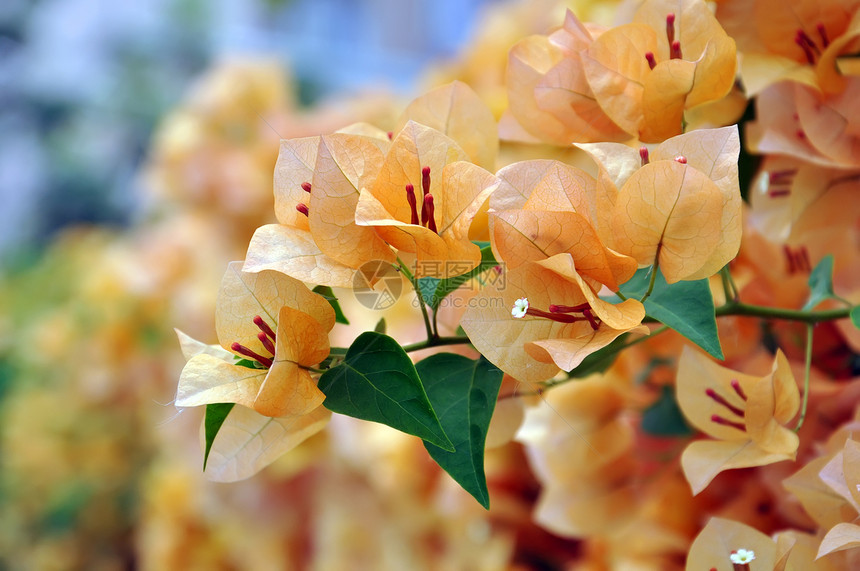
pixel 83 83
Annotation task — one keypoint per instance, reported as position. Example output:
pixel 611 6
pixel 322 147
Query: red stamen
pixel 670 28
pixel 242 350
pixel 413 204
pixel 716 419
pixel 803 256
pixel 822 32
pixel 783 176
pixel 560 317
pixel 306 186
pixel 553 308
pixel 681 159
pixel 425 180
pixel 800 134
pixel 593 321
pixel 643 154
pixel 778 192
pixel 802 40
pixel 264 327
pixel 738 389
pixel 789 256
pixel 267 343
pixel 719 399
pixel 675 50
pixel 649 57
pixel 303 208
pixel 390 135
pixel 430 210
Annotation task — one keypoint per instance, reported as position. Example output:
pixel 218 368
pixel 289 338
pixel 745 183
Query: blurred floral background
pixel 137 145
pixel 137 148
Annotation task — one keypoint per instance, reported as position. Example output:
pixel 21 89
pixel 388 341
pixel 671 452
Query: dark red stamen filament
pixel 303 208
pixel 649 57
pixel 430 210
pixel 242 350
pixel 425 180
pixel 822 32
pixel 780 182
pixel 264 327
pixel 719 399
pixel 560 317
pixel 807 45
pixel 413 204
pixel 675 50
pixel 798 261
pixel 643 154
pixel 716 419
pixel 738 389
pixel 390 135
pixel 267 343
pixel 553 308
pixel 583 308
pixel 681 159
pixel 306 186
pixel 670 28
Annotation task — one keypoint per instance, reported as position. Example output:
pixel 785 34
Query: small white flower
pixel 742 556
pixel 520 307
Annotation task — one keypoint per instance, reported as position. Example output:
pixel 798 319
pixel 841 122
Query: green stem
pixel 437 342
pixel 654 269
pixel 427 325
pixel 806 370
pixel 811 317
pixel 729 287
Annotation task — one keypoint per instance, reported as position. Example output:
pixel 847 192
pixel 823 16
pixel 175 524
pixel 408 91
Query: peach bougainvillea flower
pixel 677 205
pixel 801 42
pixel 545 317
pixel 672 57
pixel 258 318
pixel 424 200
pixel 314 203
pixel 725 545
pixel 548 92
pixel 745 414
pixel 544 208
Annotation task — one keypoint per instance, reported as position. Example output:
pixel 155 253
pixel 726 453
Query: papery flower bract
pixel 316 239
pixel 745 414
pixel 644 76
pixel 422 159
pixel 724 542
pixel 548 92
pixel 534 349
pixel 282 386
pixel 681 210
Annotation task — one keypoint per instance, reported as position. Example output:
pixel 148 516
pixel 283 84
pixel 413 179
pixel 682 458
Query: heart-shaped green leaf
pixel 464 393
pixel 378 382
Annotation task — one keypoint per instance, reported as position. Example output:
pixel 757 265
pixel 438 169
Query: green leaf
pixel 855 316
pixel 685 306
pixel 600 360
pixel 464 393
pixel 820 283
pixel 380 326
pixel 215 416
pixel 664 418
pixel 329 296
pixel 378 382
pixel 448 285
pixel 248 363
pixel 427 289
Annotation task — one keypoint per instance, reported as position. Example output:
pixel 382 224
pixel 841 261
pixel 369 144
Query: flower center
pixel 741 559
pixel 810 48
pixel 559 313
pixel 719 399
pixel 266 337
pixel 428 210
pixel 797 260
pixel 779 182
pixel 674 45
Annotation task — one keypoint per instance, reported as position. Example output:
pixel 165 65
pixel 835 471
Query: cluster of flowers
pixel 655 194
